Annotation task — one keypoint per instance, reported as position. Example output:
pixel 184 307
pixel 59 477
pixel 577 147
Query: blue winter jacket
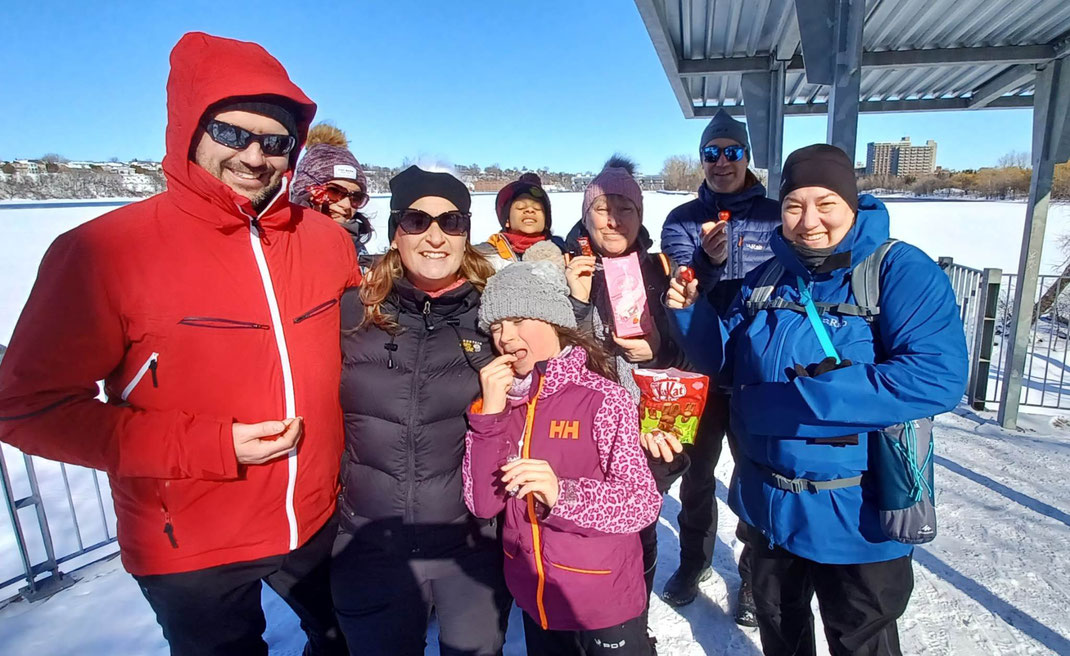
pixel 910 364
pixel 755 219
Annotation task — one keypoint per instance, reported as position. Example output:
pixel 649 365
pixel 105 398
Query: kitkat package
pixel 627 296
pixel 671 401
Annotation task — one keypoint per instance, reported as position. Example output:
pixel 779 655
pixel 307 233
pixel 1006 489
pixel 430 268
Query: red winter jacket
pixel 194 318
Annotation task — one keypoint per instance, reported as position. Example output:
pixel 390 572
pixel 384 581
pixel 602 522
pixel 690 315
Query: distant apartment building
pixel 900 158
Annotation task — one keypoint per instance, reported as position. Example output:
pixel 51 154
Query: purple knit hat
pixel 323 162
pixel 613 180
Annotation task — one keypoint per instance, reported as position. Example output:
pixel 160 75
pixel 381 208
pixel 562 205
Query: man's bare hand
pixel 255 444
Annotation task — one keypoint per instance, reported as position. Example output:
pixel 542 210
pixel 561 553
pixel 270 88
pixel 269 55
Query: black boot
pixel 682 587
pixel 746 614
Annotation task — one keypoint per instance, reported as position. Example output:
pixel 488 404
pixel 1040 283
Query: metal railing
pixel 1045 382
pixel 40 562
pixel 42 575
pixel 976 292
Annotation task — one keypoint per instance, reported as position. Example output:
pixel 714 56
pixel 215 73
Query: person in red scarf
pixel 523 209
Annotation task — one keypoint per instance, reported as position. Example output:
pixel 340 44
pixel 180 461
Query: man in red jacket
pixel 210 312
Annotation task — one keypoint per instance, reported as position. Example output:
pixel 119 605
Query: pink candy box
pixel 627 295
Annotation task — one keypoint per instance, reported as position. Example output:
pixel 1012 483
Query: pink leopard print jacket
pixel 579 564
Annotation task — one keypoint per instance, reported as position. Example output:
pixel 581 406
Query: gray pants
pixel 384 600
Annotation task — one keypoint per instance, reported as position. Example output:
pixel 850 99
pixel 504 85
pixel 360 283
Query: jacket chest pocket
pixel 150 367
pixel 569 446
pixel 319 310
pixel 143 367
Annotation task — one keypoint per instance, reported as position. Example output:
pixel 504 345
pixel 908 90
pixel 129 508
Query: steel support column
pixel 763 102
pixel 1051 144
pixel 847 75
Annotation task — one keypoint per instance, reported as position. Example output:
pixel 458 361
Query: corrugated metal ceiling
pixel 704 30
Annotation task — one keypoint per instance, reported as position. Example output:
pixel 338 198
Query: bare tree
pixel 1014 159
pixel 682 172
pixel 1057 294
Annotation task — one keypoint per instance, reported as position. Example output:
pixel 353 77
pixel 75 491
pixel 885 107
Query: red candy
pixel 724 215
pixel 687 275
pixel 585 246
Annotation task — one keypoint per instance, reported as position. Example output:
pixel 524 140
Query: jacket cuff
pixel 568 499
pixel 212 456
pixel 482 424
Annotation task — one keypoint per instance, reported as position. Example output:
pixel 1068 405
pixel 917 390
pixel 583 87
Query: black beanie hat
pixel 530 184
pixel 820 165
pixel 414 183
pixel 275 107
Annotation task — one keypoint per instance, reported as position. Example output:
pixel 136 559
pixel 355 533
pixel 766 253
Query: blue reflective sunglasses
pixel 711 154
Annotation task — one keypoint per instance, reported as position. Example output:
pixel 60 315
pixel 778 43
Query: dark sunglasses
pixel 237 138
pixel 416 222
pixel 335 194
pixel 711 154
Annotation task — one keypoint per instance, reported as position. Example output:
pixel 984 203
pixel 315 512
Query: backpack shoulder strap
pixel 763 288
pixel 866 281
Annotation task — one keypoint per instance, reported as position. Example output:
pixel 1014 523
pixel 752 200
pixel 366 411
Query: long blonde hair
pixel 379 283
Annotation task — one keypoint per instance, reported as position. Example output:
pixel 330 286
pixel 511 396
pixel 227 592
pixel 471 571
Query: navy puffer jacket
pixel 755 219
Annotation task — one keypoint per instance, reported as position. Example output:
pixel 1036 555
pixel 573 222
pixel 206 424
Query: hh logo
pixel 565 430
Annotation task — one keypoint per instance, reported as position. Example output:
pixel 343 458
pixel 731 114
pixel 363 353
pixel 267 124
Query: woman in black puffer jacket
pixel 407 544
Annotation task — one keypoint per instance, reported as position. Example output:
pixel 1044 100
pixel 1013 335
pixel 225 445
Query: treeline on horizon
pixel 1009 179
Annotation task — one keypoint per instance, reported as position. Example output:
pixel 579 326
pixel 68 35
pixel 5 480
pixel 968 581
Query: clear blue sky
pixel 561 83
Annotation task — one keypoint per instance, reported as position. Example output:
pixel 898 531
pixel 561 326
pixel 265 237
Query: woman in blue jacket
pixel 798 418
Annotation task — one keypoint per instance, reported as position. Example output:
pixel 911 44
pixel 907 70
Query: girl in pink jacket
pixel 554 443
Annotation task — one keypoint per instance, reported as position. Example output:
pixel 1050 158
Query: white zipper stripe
pixel 284 359
pixel 138 376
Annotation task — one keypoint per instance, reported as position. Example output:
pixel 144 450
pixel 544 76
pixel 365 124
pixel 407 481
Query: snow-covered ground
pixel 996 581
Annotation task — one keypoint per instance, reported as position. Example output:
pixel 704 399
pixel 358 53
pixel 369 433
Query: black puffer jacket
pixel 404 397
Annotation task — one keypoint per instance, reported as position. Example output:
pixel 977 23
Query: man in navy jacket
pixel 721 252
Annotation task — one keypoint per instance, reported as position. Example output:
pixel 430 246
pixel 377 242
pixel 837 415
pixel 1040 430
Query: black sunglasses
pixel 416 222
pixel 237 138
pixel 711 154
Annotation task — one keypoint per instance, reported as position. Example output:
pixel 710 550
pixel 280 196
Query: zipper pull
pixel 427 315
pixel 260 234
pixel 169 529
pixel 153 364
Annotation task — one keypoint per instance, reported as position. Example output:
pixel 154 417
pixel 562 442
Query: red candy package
pixel 687 275
pixel 585 246
pixel 724 215
pixel 671 401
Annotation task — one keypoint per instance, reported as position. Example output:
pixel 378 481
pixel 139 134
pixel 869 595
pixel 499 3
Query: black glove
pixel 815 369
pixel 666 473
